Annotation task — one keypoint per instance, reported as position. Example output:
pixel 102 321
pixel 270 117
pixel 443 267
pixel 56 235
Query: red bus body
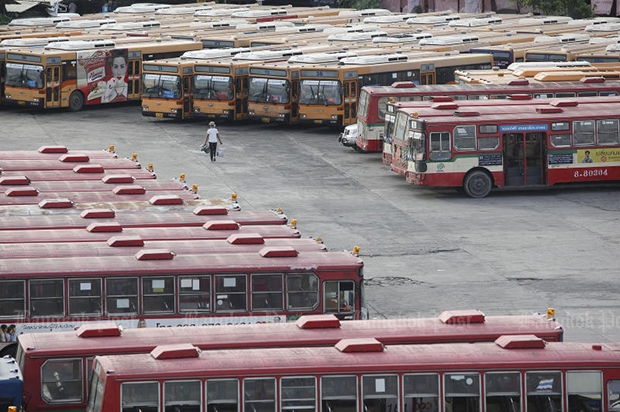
pixel 66 163
pixel 54 152
pixel 14 183
pixel 38 353
pixel 371 110
pixel 156 287
pixel 81 173
pixel 510 374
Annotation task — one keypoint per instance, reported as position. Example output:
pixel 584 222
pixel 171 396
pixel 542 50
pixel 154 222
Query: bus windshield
pixel 162 86
pixel 325 92
pixel 24 75
pixel 209 87
pixel 269 90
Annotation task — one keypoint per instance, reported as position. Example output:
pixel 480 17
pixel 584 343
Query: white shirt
pixel 212 134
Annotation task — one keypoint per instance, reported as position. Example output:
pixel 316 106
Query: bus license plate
pixel 160 115
pixel 266 120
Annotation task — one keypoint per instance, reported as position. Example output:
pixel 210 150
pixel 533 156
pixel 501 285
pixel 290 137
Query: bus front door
pixel 524 161
pixel 188 107
pixel 241 98
pixel 427 78
pixel 52 86
pixel 349 115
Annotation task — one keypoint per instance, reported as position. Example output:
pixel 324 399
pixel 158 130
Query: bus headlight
pixel 282 115
pixel 334 116
pixel 8 96
pixel 145 108
pixel 196 109
pixel 226 112
pixel 251 112
pixel 303 116
pixel 174 111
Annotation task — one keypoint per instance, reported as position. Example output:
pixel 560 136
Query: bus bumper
pixel 268 119
pixel 319 122
pixel 11 102
pixel 177 115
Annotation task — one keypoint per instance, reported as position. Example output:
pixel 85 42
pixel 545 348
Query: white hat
pixel 211 123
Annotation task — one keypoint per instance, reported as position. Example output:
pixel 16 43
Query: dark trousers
pixel 212 150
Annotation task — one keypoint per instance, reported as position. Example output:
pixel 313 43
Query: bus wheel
pixel 76 101
pixel 477 184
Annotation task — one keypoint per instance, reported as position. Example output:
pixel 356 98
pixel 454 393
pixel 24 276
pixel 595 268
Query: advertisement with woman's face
pixel 102 75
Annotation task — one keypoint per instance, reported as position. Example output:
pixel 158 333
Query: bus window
pixel 465 137
pixel 583 130
pixel 230 293
pixel 182 396
pixel 339 393
pixel 503 391
pixel 158 294
pixel 46 297
pixel 140 396
pixel 11 297
pixel 69 70
pixel 607 131
pixel 380 393
pixel 302 291
pixel 121 295
pixel 421 392
pixel 84 296
pixel 298 394
pixel 259 395
pixel 222 395
pixel 339 297
pixel 440 146
pixel 565 94
pixel 585 390
pixel 462 391
pixel 613 393
pixel 194 293
pixel 544 391
pixel 61 381
pixel 267 292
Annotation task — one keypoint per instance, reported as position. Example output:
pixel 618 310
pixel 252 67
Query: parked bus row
pixel 43 356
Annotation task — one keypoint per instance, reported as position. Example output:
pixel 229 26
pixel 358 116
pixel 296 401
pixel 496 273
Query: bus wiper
pixel 265 90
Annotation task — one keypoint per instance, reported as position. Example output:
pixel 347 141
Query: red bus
pixel 154 218
pixel 371 116
pixel 514 373
pixel 551 143
pixel 39 355
pixel 87 172
pixel 156 287
pixel 402 112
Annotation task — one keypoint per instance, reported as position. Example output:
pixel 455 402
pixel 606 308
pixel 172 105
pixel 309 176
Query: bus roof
pixel 505 353
pixel 309 330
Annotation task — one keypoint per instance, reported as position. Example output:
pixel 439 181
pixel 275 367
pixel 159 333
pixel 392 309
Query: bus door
pixel 350 102
pixel 52 86
pixel 427 74
pixel 294 93
pixel 188 108
pixel 241 98
pixel 523 154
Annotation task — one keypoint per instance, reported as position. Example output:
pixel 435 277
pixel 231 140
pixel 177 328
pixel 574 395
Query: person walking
pixel 213 137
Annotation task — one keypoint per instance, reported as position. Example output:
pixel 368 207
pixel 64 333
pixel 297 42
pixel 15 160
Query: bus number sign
pixel 591 173
pixel 523 128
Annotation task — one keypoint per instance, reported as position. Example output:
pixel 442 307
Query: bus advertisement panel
pixel 102 75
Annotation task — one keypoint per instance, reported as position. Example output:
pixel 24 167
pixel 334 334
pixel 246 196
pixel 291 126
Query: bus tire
pixel 477 184
pixel 10 349
pixel 76 101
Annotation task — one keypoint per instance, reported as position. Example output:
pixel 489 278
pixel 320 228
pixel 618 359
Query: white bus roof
pixel 563 38
pixel 265 26
pixel 605 40
pixel 80 45
pixel 131 25
pixel 219 23
pixel 402 38
pixel 387 19
pixel 596 21
pixel 84 24
pixel 364 13
pixel 214 53
pixel 611 27
pixel 219 12
pixel 317 58
pixel 249 14
pixel 182 10
pixel 40 21
pixel 384 58
pixel 527 65
pixel 475 22
pixel 141 8
pixel 267 54
pixel 354 28
pixel 545 20
pixel 443 19
pixel 448 40
pixel 614 47
pixel 31 41
pixel 352 37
